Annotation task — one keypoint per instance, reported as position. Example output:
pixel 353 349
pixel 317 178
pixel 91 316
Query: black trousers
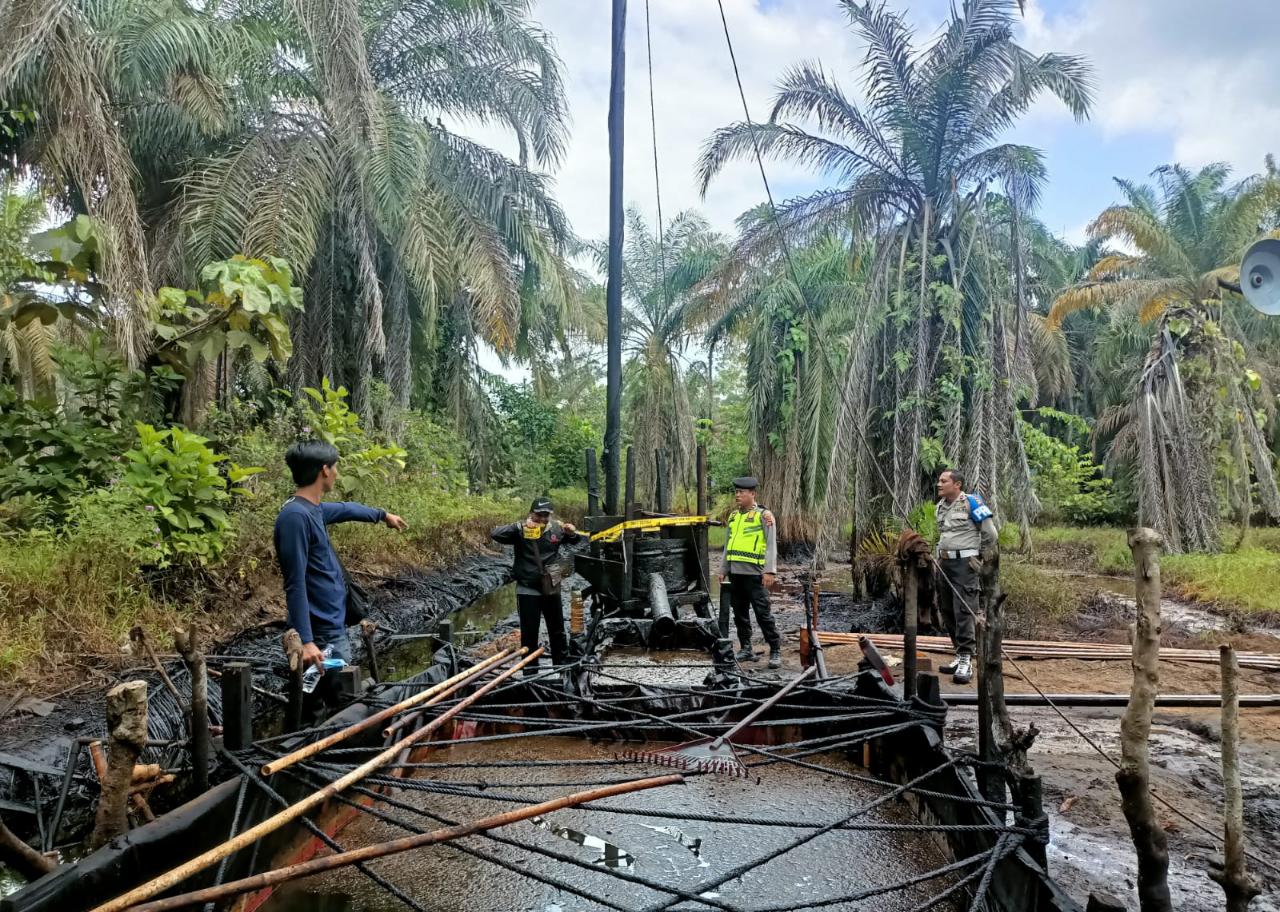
pixel 958 588
pixel 747 593
pixel 533 609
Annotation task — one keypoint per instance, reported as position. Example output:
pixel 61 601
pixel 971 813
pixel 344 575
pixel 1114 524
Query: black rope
pixel 324 837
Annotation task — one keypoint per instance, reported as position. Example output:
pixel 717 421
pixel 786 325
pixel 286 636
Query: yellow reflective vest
pixel 746 537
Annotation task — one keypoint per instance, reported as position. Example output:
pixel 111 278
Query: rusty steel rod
pixel 429 696
pixel 396 846
pixel 207 859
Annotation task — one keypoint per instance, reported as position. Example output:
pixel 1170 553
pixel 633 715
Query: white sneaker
pixel 962 669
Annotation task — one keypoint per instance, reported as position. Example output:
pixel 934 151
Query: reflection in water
pixel 470 625
pixel 694 845
pixel 611 856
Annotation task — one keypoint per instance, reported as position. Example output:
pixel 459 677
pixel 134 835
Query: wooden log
pixel 1134 775
pixel 127 727
pixel 396 846
pixel 214 855
pixel 293 651
pixel 1234 877
pixel 428 697
pixel 21 857
pixel 187 642
pixel 367 630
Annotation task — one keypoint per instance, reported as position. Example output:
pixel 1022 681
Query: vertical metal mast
pixel 613 290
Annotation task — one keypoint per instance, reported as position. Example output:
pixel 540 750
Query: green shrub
pixel 363 460
pixel 1068 483
pixel 176 476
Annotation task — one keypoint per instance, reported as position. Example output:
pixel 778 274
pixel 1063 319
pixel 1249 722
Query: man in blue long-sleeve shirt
pixel 315 588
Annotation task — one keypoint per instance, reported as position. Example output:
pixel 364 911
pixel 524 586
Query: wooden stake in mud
pixel 127 727
pixel 1134 775
pixel 593 484
pixel 237 705
pixel 1233 878
pixel 404 844
pixel 910 620
pixel 209 858
pixel 293 650
pixel 187 644
pixel 21 857
pixel 367 629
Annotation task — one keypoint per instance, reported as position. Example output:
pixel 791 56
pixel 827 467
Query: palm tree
pixel 1183 357
pixel 929 367
pixel 315 131
pixel 659 275
pixel 790 389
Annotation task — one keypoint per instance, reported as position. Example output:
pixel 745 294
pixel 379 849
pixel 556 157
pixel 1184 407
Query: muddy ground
pixel 1090 849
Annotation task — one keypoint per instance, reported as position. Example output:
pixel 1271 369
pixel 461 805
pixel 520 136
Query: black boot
pixel 746 654
pixel 775 657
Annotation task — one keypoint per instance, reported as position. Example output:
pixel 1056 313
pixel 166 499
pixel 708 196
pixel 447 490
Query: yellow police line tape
pixel 613 533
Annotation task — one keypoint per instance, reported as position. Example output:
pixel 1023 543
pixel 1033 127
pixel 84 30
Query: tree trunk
pixel 1233 878
pixel 127 727
pixel 1134 775
pixel 188 646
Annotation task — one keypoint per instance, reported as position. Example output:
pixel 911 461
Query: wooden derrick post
pixel 237 705
pixel 662 485
pixel 1233 878
pixel 593 484
pixel 910 624
pixel 293 650
pixel 127 732
pixel 187 644
pixel 367 630
pixel 1134 775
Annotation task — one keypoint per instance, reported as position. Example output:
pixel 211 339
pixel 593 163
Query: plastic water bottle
pixel 311 677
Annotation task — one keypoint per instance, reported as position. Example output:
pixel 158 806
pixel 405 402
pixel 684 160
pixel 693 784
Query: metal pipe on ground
pixel 211 857
pixel 664 619
pixel 396 846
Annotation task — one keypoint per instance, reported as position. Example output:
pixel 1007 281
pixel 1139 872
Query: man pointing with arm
pixel 315 586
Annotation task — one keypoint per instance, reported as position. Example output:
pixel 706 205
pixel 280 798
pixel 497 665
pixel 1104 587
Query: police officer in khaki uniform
pixel 966 540
pixel 749 569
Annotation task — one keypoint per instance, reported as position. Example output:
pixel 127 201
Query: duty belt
pixel 956 555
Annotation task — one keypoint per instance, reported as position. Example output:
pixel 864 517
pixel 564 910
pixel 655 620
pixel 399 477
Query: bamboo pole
pixel 431 695
pixel 1134 775
pixel 127 727
pixel 214 855
pixel 1233 878
pixel 404 844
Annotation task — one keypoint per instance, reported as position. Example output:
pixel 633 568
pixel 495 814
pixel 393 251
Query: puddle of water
pixel 610 855
pixel 1184 617
pixel 470 625
pixel 694 845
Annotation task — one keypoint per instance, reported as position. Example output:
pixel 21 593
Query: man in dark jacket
pixel 536 542
pixel 315 588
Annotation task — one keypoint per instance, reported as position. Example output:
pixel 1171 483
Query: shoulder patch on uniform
pixel 978 509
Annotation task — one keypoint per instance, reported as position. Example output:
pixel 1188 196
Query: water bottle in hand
pixel 311 677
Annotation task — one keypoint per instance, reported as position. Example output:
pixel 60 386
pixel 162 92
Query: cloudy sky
pixel 1178 80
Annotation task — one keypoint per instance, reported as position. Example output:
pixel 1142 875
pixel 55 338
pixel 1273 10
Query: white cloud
pixel 1203 74
pixel 694 93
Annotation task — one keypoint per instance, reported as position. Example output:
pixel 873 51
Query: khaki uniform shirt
pixel 957 530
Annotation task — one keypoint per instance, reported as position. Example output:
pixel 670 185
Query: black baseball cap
pixel 746 483
pixel 541 505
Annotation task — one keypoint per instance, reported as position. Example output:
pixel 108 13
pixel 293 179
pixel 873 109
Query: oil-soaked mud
pixel 831 865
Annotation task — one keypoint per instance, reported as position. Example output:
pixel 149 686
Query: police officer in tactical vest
pixel 966 540
pixel 749 569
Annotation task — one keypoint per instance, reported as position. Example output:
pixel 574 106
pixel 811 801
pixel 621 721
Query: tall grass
pixel 1245 581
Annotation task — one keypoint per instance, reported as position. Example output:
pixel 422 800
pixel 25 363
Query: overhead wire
pixel 786 249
